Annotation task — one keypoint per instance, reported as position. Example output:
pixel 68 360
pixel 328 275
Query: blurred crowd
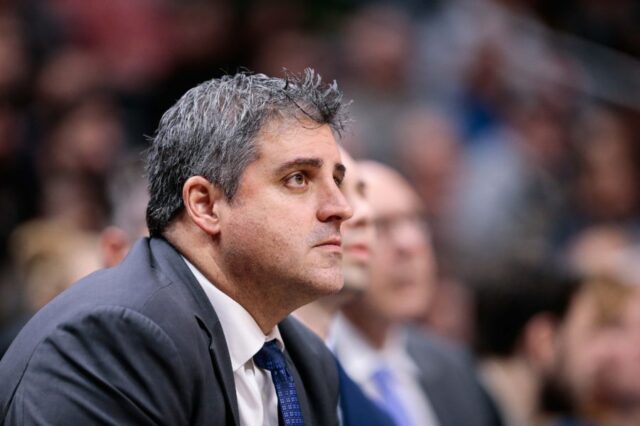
pixel 516 121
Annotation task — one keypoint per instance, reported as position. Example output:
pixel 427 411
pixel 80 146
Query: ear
pixel 540 341
pixel 202 201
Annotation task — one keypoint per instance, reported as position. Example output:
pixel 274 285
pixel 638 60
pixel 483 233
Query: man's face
pixel 280 235
pixel 402 265
pixel 357 233
pixel 600 360
pixel 586 346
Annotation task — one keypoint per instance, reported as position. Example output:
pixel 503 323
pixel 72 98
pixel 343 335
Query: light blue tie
pixel 383 379
pixel 271 358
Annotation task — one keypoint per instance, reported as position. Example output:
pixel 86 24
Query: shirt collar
pixel 243 335
pixel 360 358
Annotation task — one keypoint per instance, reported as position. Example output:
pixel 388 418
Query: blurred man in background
pixel 600 352
pixel 358 239
pixel 419 381
pixel 603 349
pixel 521 314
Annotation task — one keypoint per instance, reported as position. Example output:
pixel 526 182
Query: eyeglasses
pixel 391 224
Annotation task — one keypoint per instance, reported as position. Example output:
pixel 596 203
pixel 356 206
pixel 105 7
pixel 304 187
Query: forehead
pixel 388 192
pixel 353 175
pixel 283 140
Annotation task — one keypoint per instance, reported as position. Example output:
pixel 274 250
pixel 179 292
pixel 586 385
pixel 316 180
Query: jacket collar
pixel 166 260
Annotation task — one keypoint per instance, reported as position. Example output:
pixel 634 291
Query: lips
pixel 332 241
pixel 358 251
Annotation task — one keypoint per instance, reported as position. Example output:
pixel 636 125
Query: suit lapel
pixel 173 266
pixel 433 383
pixel 222 366
pixel 433 389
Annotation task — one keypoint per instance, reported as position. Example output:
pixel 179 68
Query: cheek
pixel 272 235
pixel 248 232
pixel 280 218
pixel 591 359
pixel 381 259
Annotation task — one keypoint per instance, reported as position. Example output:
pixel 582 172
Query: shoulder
pixel 438 358
pixel 133 291
pixel 106 334
pixel 109 358
pixel 449 377
pixel 117 317
pixel 428 347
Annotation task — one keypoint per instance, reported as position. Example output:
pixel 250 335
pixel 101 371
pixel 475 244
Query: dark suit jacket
pixel 356 408
pixel 448 378
pixel 140 344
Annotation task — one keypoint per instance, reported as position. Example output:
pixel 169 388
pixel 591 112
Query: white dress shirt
pixel 257 398
pixel 361 361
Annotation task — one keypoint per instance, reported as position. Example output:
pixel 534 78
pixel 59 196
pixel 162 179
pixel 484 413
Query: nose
pixel 362 213
pixel 409 238
pixel 405 233
pixel 333 206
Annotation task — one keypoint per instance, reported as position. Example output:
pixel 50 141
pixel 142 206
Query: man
pixel 597 361
pixel 419 381
pixel 358 237
pixel 521 312
pixel 191 328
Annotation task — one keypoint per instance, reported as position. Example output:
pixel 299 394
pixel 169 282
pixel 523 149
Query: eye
pixel 296 180
pixel 338 180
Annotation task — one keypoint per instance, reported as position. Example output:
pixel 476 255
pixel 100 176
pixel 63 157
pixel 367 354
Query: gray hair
pixel 211 132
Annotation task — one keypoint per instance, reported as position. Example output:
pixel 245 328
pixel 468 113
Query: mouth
pixel 358 251
pixel 333 243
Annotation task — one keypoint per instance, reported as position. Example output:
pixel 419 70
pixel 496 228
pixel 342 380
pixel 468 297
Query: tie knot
pixel 270 357
pixel 382 376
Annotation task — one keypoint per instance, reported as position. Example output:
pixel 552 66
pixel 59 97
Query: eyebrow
pixel 315 163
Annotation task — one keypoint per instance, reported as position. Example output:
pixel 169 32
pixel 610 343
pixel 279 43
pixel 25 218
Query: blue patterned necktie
pixel 390 402
pixel 271 358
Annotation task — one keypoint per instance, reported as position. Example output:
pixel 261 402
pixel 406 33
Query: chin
pixel 335 287
pixel 410 310
pixel 355 278
pixel 328 283
pixel 352 288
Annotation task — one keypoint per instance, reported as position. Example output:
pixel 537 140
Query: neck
pixel 317 316
pixel 266 307
pixel 515 388
pixel 372 326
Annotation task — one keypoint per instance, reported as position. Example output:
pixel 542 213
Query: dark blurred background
pixel 516 120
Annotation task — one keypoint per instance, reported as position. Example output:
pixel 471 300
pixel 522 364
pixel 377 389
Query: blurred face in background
pixel 358 233
pixel 402 266
pixel 600 353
